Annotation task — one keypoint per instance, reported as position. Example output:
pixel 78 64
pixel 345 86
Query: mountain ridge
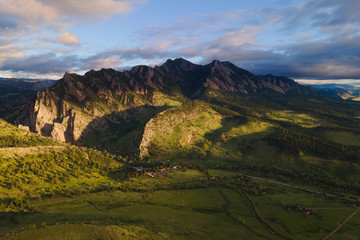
pixel 64 110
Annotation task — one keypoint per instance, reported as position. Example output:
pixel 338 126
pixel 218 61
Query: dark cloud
pixel 41 64
pixel 322 13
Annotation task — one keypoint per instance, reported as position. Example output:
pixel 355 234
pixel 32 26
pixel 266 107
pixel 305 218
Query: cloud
pixel 316 39
pixel 68 39
pixel 323 14
pixel 241 36
pixel 29 10
pixel 28 26
pixel 98 63
pixel 48 11
pixel 7 51
pixel 89 8
pixel 41 64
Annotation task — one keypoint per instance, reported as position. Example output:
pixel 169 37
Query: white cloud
pixel 49 11
pixel 36 23
pixel 88 8
pixel 28 10
pixel 68 39
pixel 106 62
pixel 8 51
pixel 240 37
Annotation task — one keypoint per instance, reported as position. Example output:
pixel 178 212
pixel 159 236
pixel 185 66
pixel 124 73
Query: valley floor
pixel 187 205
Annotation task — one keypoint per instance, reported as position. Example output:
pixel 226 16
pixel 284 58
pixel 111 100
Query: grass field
pixel 210 209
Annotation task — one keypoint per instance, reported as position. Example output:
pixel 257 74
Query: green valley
pixel 180 151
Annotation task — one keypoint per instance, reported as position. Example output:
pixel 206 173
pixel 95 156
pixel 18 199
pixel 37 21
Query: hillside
pixel 34 167
pixel 341 91
pixel 288 136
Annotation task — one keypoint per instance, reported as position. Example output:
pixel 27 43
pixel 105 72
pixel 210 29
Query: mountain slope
pixel 309 139
pixel 340 91
pixel 65 110
pixel 34 167
pixel 179 130
pixel 16 92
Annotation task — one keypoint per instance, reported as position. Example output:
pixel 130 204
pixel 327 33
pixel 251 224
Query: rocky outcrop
pixel 55 117
pixel 147 137
pixel 25 128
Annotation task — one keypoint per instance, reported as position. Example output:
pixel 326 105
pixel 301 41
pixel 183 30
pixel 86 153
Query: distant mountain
pixel 27 84
pixel 340 91
pixel 16 92
pixel 68 109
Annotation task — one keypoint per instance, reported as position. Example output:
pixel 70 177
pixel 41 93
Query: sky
pixel 301 39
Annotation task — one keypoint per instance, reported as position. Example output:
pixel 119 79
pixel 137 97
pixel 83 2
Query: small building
pixel 139 169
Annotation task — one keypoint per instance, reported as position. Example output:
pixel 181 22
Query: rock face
pixel 25 128
pixel 64 110
pixel 53 116
pixel 148 135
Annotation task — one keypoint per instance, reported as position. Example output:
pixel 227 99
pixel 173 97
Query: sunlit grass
pixel 300 119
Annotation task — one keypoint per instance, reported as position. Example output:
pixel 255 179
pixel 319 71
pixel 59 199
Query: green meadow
pixel 224 207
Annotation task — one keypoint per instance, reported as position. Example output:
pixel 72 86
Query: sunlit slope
pixel 315 142
pixel 199 130
pixel 33 167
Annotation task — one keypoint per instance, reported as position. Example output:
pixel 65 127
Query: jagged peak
pixel 182 63
pixel 100 72
pixel 139 67
pixel 67 75
pixel 107 70
pixel 182 60
pixel 215 61
pixel 227 66
pixel 178 60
